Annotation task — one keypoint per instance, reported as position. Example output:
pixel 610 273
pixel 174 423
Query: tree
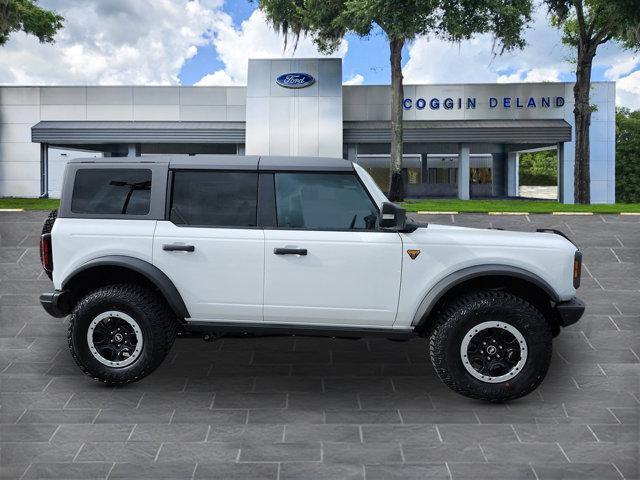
pixel 327 21
pixel 28 17
pixel 627 156
pixel 587 24
pixel 539 168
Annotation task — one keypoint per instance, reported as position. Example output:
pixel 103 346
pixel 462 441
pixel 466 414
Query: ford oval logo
pixel 295 80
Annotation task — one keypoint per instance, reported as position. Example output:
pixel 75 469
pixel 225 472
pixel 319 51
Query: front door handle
pixel 175 247
pixel 290 251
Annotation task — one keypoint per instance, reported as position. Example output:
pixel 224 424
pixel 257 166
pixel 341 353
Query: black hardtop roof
pixel 232 162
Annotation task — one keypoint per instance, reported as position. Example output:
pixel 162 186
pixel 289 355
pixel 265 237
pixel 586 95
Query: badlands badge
pixel 413 254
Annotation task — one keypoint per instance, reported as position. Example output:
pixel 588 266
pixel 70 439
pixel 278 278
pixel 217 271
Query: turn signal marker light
pixel 413 253
pixel 577 269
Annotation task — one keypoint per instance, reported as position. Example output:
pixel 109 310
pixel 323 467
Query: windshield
pixel 377 194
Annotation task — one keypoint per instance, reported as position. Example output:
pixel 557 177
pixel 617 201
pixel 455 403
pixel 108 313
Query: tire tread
pixel 443 327
pixel 164 326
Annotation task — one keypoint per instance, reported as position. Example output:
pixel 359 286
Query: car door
pixel 211 247
pixel 326 262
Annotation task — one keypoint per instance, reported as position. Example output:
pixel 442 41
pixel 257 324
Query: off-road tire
pixel 146 307
pixel 457 318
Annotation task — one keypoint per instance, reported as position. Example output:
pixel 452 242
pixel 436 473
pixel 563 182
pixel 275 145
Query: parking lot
pixel 307 408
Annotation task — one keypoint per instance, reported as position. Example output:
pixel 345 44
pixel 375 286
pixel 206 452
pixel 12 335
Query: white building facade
pixel 460 140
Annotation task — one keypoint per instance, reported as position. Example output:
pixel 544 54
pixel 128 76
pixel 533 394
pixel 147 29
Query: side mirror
pixel 392 216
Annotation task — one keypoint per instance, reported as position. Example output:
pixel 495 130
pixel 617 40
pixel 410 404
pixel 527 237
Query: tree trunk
pixel 396 184
pixel 582 114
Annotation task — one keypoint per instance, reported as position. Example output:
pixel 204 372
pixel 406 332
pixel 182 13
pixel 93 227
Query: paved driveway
pixel 318 408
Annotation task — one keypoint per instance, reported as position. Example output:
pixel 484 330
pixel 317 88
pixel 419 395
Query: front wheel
pixel 491 345
pixel 120 333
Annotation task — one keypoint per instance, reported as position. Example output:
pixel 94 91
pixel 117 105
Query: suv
pixel 143 250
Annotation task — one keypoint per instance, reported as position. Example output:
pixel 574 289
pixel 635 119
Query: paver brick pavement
pixel 307 408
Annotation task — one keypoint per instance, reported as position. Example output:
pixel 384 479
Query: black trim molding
pixel 456 278
pixel 152 273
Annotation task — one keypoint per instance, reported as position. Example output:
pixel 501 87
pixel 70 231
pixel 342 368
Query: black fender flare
pixel 144 268
pixel 456 278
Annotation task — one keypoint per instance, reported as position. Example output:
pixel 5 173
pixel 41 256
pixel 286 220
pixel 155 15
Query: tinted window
pixel 210 198
pixel 123 191
pixel 323 201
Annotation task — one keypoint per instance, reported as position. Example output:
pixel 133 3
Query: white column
pixel 566 154
pixel 133 150
pixel 513 164
pixel 463 171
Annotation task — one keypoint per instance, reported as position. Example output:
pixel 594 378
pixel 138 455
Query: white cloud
pixel 114 42
pixel 628 91
pixel 432 60
pixel 531 75
pixel 357 79
pixel 625 63
pixel 217 78
pixel 545 58
pixel 253 39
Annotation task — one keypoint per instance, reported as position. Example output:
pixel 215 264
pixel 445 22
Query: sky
pixel 208 42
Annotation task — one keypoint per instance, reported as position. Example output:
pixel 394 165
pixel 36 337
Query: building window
pixel 443 175
pixel 480 175
pixel 214 199
pixel 414 176
pixel 124 191
pixel 380 175
pixel 323 201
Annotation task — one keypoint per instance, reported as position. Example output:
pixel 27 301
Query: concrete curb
pixel 11 209
pixel 572 213
pixel 507 213
pixel 436 213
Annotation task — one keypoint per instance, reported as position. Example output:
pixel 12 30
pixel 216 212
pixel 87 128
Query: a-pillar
pixel 463 171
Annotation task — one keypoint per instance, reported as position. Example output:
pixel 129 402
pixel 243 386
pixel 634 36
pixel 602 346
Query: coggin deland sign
pixel 302 80
pixel 469 103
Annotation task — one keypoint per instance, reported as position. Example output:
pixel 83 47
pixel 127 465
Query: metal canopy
pixel 435 131
pixel 58 132
pixel 450 131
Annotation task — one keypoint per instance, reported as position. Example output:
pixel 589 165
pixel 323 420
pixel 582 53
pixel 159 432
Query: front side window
pixel 323 201
pixel 214 198
pixel 112 191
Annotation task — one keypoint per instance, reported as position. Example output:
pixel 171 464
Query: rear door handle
pixel 290 251
pixel 175 247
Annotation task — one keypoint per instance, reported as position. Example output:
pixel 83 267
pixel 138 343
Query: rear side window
pixel 323 201
pixel 112 191
pixel 214 199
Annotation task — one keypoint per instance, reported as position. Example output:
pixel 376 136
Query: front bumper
pixel 569 312
pixel 56 303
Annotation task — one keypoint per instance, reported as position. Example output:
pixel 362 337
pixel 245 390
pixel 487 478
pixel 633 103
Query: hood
pixel 466 236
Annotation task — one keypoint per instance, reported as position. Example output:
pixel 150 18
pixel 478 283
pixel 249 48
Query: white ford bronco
pixel 142 250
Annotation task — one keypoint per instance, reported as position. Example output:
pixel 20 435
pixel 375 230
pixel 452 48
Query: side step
pixel 259 329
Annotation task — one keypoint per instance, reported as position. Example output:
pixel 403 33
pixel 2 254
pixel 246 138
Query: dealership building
pixel 460 140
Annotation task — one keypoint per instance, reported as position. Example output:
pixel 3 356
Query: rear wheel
pixel 120 333
pixel 491 345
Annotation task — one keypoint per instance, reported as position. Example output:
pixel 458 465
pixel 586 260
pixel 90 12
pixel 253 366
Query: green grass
pixel 434 205
pixel 535 206
pixel 29 203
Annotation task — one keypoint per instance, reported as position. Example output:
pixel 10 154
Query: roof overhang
pixel 449 131
pixel 433 131
pixel 68 133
